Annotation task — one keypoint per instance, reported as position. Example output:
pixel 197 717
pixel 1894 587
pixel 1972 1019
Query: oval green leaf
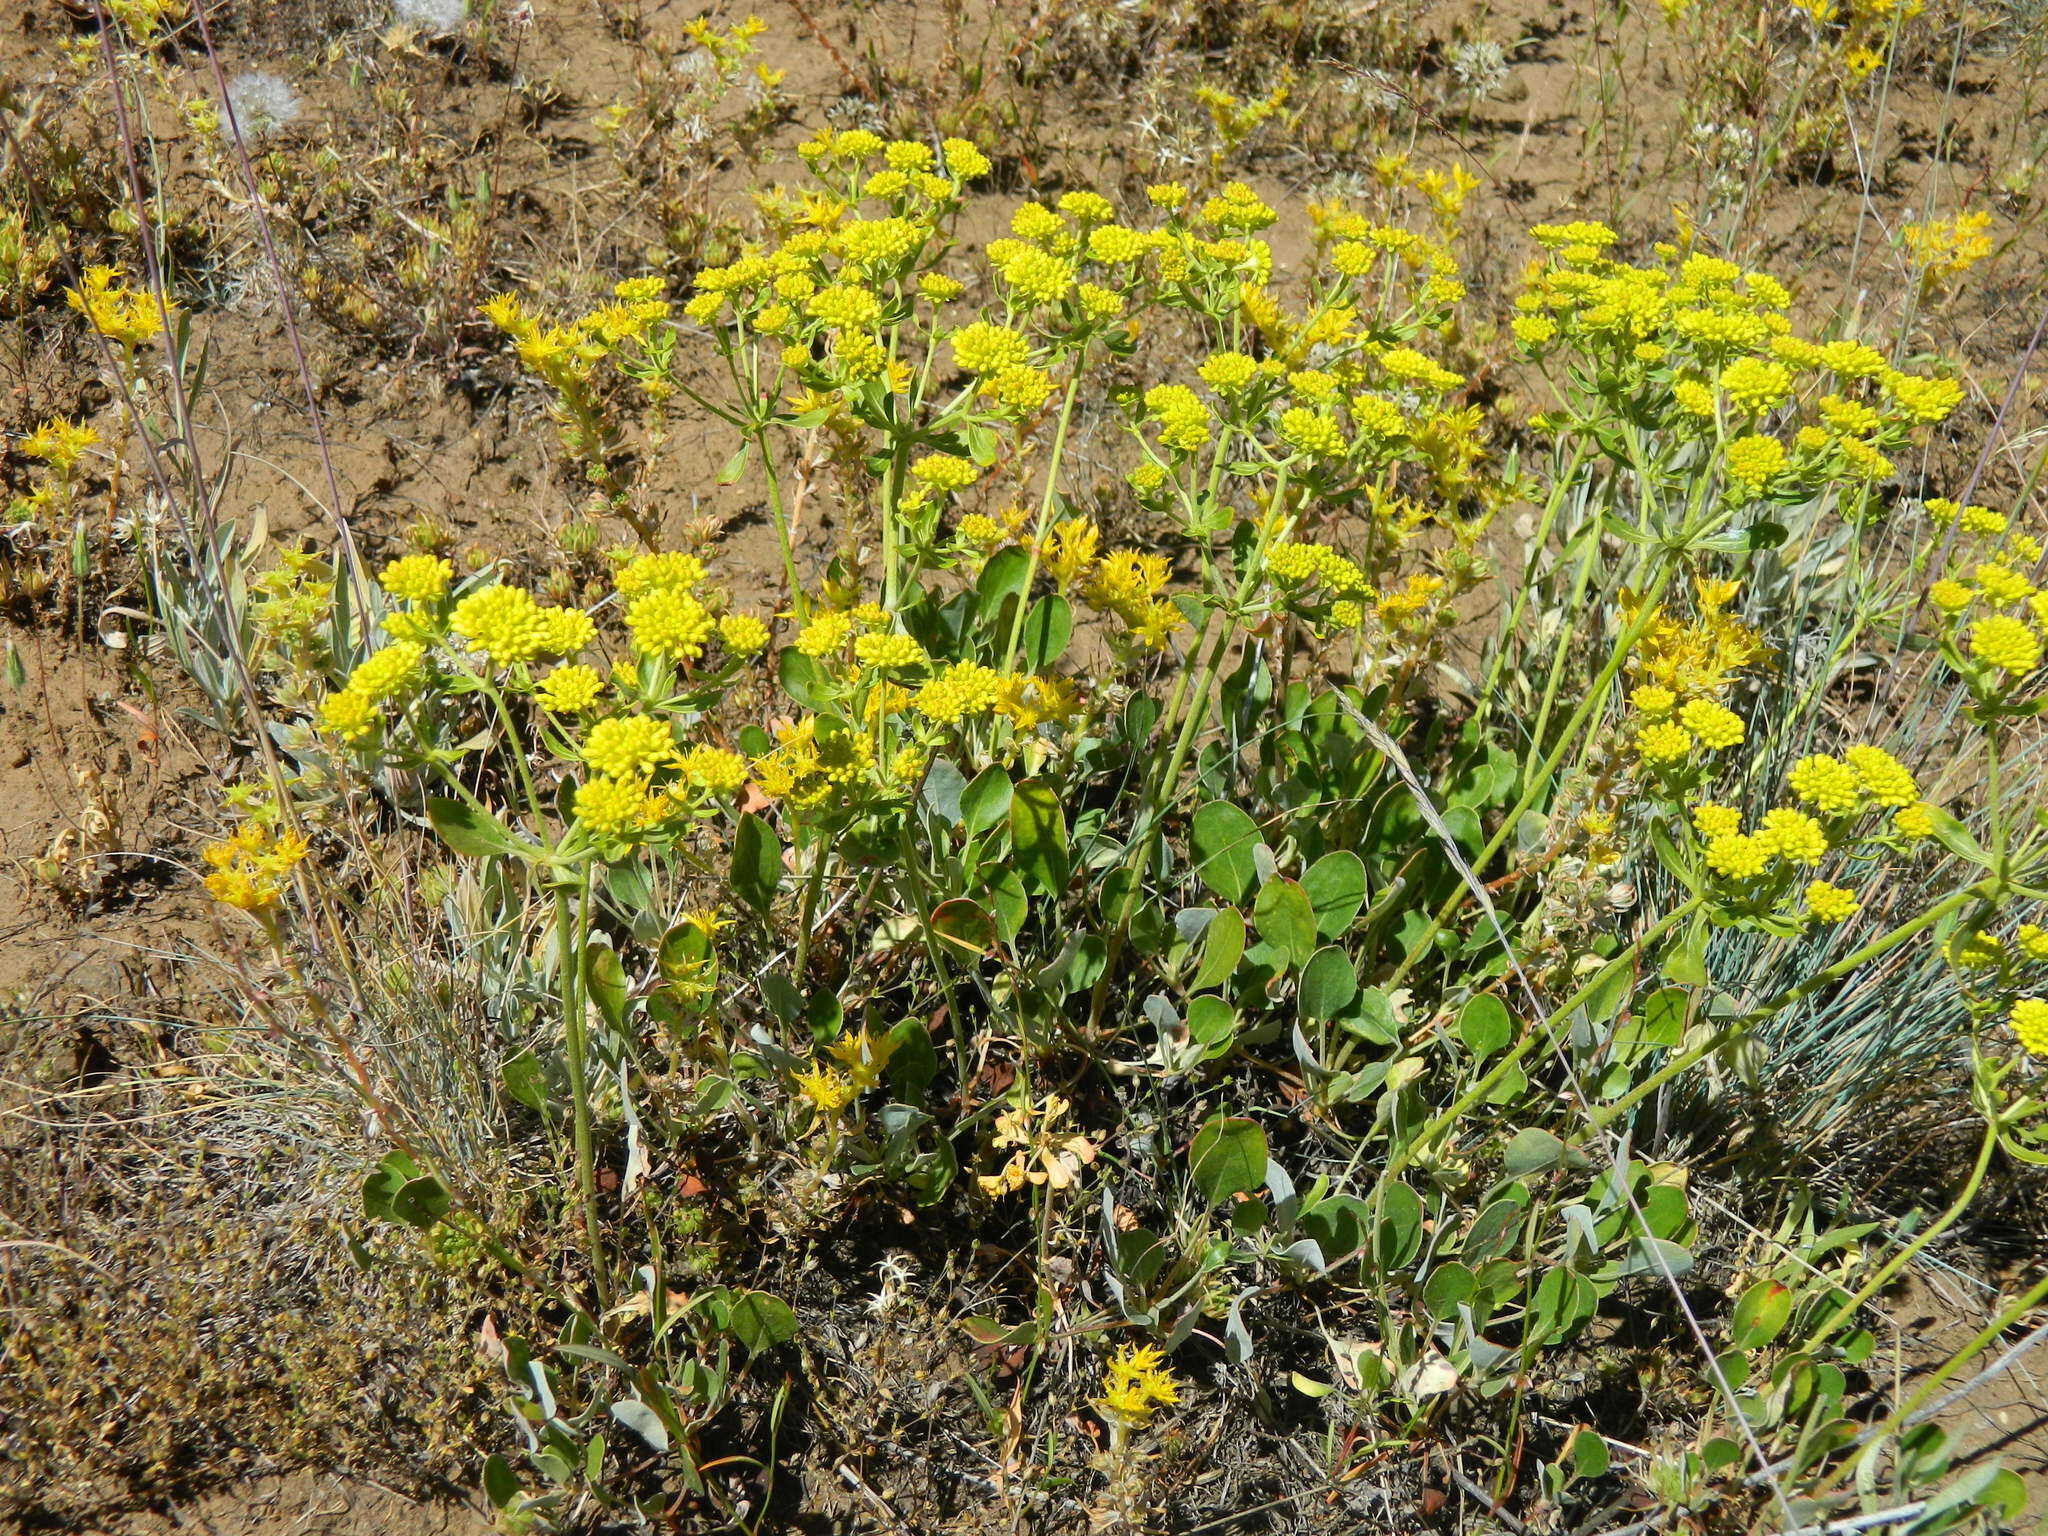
pixel 1228 1157
pixel 1761 1315
pixel 985 802
pixel 1222 947
pixel 760 1321
pixel 1336 890
pixel 1038 835
pixel 1483 1026
pixel 1329 983
pixel 1285 920
pixel 1220 841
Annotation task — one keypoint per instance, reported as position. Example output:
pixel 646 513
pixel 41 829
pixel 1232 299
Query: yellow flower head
pixel 1829 786
pixel 1666 741
pixel 627 746
pixel 1793 835
pixel 566 690
pixel 1716 727
pixel 1711 820
pixel 417 578
pixel 349 715
pixel 1737 855
pixel 2029 1020
pixel 2005 643
pixel 669 622
pixel 1829 903
pixel 612 808
pixel 1136 1383
pixel 742 634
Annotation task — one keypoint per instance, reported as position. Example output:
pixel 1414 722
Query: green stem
pixel 1045 505
pixel 812 889
pixel 781 522
pixel 1538 781
pixel 1551 508
pixel 575 1043
pixel 1883 944
pixel 1899 1260
pixel 1536 1036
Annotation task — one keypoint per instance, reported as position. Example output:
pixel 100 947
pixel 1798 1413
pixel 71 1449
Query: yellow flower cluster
pixel 570 690
pixel 505 626
pixel 628 746
pixel 1136 1384
pixel 1864 778
pixel 828 1091
pixel 965 689
pixel 1783 833
pixel 1046 1151
pixel 808 770
pixel 1685 668
pixel 1699 341
pixel 564 355
pixel 1989 572
pixel 2029 1020
pixel 58 442
pixel 250 867
pixel 1128 583
pixel 126 316
pixel 1946 248
pixel 418 579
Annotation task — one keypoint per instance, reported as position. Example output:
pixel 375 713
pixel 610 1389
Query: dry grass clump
pixel 180 1301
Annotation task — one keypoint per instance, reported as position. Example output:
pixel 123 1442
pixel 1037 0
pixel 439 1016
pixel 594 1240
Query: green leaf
pixel 421 1202
pixel 1686 962
pixel 605 978
pixel 1285 920
pixel 1589 1454
pixel 683 953
pixel 1212 1022
pixel 1532 1151
pixel 1956 838
pixel 1448 1285
pixel 913 1063
pixel 1484 1026
pixel 803 679
pixel 380 1189
pixel 1650 1256
pixel 756 863
pixel 1398 1237
pixel 985 802
pixel 643 1421
pixel 1228 1157
pixel 525 1081
pixel 1336 890
pixel 500 1486
pixel 1761 1315
pixel 469 831
pixel 1562 1301
pixel 1007 900
pixel 760 1321
pixel 1220 839
pixel 735 466
pixel 1607 996
pixel 1002 580
pixel 966 930
pixel 1329 982
pixel 1047 628
pixel 1222 947
pixel 1038 835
